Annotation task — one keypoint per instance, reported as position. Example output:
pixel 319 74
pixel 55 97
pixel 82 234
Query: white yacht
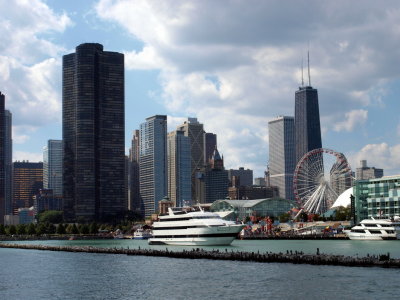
pixel 189 227
pixel 375 229
pixel 142 234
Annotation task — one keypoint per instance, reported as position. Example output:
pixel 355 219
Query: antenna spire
pixel 308 61
pixel 302 76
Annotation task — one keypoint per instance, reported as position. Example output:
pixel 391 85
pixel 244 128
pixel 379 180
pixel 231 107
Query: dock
pixel 294 257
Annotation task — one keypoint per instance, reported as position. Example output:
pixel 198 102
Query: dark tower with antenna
pixel 306 115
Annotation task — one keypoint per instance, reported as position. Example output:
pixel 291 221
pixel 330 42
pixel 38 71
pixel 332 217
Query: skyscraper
pixel 93 134
pixel 210 143
pixel 212 181
pixel 306 121
pixel 153 162
pixel 194 130
pixel 282 155
pixel 27 181
pixel 52 167
pixel 179 175
pixel 2 160
pixel 135 203
pixel 8 161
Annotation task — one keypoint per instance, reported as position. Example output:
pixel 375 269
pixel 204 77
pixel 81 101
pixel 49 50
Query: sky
pixel 235 65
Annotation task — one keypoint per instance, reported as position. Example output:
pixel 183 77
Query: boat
pixel 375 229
pixel 118 234
pixel 142 234
pixel 184 226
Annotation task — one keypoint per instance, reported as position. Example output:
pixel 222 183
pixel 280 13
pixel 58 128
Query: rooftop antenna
pixel 302 76
pixel 308 62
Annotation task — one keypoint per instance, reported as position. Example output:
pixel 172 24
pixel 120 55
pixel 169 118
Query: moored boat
pixel 142 234
pixel 190 227
pixel 375 229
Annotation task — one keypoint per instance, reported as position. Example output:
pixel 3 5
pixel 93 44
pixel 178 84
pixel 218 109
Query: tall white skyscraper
pixel 52 166
pixel 179 168
pixel 153 162
pixel 282 155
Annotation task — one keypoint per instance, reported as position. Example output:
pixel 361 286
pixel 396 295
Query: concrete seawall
pixel 294 257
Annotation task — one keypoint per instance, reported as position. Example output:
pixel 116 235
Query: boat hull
pixel 211 236
pixel 199 241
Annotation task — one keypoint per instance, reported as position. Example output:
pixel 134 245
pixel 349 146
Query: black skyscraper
pixel 93 134
pixel 307 125
pixel 2 159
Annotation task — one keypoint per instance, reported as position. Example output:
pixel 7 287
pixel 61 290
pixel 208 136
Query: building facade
pixel 260 181
pixel 2 160
pixel 135 204
pixel 8 161
pixel 377 198
pixel 179 169
pixel 45 199
pixel 153 162
pixel 27 181
pixel 282 155
pixel 52 166
pixel 93 134
pixel 364 172
pixel 245 177
pixel 195 131
pixel 306 121
pixel 210 143
pixel 252 192
pixel 212 181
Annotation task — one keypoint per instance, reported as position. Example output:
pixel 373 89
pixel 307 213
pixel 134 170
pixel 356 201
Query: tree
pixel 21 229
pixel 51 216
pixel 41 229
pixel 11 230
pixel 283 218
pixel 31 229
pixel 93 228
pixel 84 229
pixel 2 229
pixel 72 229
pixel 50 228
pixel 61 229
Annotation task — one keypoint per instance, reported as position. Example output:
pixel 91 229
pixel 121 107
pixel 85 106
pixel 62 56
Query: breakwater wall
pixel 294 257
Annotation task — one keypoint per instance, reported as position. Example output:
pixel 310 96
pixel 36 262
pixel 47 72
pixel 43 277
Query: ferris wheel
pixel 320 177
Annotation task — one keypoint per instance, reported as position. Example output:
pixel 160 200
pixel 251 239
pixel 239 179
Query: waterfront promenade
pixel 295 257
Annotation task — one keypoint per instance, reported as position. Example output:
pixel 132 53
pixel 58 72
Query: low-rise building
pixel 240 209
pixel 379 197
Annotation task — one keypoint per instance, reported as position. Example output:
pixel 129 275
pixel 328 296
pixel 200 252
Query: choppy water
pixel 30 274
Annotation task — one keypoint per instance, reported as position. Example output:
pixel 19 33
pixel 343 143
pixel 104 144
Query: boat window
pixel 174 219
pixel 386 225
pixel 371 225
pixel 206 217
pixel 389 231
pixel 375 231
pixel 358 230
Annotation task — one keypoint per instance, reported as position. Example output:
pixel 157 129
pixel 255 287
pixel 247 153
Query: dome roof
pixel 344 198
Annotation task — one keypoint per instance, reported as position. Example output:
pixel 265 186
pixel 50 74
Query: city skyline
pixel 181 64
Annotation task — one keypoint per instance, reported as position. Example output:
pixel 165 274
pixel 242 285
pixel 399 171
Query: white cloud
pixel 381 156
pixel 29 74
pixel 235 65
pixel 27 156
pixel 352 119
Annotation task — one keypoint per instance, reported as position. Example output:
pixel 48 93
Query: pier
pixel 294 257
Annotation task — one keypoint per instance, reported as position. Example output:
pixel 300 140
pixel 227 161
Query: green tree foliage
pixel 41 229
pixel 61 229
pixel 285 217
pixel 84 229
pixel 11 229
pixel 93 228
pixel 31 229
pixel 343 213
pixel 50 228
pixel 2 229
pixel 74 229
pixel 51 216
pixel 21 229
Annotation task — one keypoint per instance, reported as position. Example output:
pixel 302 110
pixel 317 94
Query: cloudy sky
pixel 234 65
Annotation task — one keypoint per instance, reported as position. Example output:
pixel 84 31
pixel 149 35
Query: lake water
pixel 32 274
